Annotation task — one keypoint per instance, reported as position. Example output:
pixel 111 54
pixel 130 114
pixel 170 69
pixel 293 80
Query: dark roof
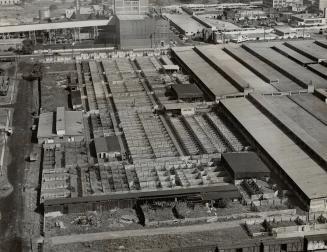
pixel 187 91
pixel 144 194
pixel 245 165
pixel 76 97
pixel 317 237
pixel 107 144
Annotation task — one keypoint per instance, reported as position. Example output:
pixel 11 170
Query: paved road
pixel 11 208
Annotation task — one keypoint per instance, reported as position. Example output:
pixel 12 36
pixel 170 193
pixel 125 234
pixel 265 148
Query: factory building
pixel 307 20
pixel 278 4
pixel 271 68
pixel 60 126
pixel 141 31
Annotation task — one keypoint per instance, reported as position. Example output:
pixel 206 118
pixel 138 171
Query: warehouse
pixel 232 70
pixel 309 48
pixel 212 83
pixel 305 177
pixel 286 66
pixel 61 126
pixel 262 69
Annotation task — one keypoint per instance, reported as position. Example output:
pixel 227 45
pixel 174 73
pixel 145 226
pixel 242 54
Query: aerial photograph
pixel 163 125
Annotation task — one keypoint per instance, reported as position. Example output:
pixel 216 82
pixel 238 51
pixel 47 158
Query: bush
pixel 222 203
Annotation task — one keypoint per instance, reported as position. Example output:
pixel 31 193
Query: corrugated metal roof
pixel 298 72
pixel 45 128
pixel 310 178
pixel 309 48
pixel 267 72
pixel 216 83
pixel 236 71
pixel 293 54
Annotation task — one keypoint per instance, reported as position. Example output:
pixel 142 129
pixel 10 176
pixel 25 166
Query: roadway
pixel 19 143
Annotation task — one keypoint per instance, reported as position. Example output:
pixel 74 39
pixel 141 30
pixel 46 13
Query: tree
pixel 28 46
pixel 53 7
pixel 222 203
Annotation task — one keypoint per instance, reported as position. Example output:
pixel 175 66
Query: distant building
pixel 141 31
pixel 9 2
pixel 307 20
pixel 60 126
pixel 277 4
pixel 131 7
pixel 319 5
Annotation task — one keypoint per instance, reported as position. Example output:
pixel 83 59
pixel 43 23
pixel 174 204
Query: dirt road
pixel 19 143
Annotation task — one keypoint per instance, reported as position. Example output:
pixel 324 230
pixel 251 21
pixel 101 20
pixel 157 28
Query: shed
pixel 243 165
pixel 187 91
pixel 107 147
pixel 76 99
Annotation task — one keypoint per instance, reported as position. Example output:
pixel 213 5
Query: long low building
pixel 234 71
pixel 209 79
pixel 53 26
pixel 286 66
pixel 296 168
pixel 262 69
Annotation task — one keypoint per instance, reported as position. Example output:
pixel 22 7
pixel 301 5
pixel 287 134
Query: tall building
pixel 141 31
pixel 319 5
pixel 131 7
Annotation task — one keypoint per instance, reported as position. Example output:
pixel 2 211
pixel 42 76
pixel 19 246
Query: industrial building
pixel 201 129
pixel 141 31
pixel 61 126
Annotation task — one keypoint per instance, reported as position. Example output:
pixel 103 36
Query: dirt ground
pixel 153 243
pixel 53 92
pixel 97 222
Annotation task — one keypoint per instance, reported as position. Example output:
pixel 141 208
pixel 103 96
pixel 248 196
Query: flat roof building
pixel 244 165
pixel 107 147
pixel 300 172
pixel 61 126
pixel 187 91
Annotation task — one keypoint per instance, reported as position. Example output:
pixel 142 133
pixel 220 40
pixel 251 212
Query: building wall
pixel 281 3
pixel 57 139
pixel 145 33
pixel 319 5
